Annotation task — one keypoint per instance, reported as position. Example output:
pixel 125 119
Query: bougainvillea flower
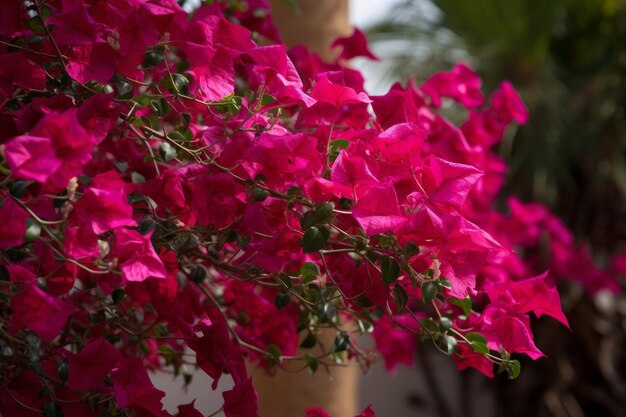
pixel 217 353
pixel 188 410
pixel 532 294
pixel 315 412
pixel 353 46
pixel 378 210
pixel 40 312
pixel 367 412
pixel 451 182
pixel 72 144
pixel 336 95
pixel 514 336
pixel 136 255
pixel 74 26
pixel 104 205
pixel 88 367
pixel 284 158
pixel 352 171
pixel 461 84
pixel 508 105
pixel 17 70
pixel 91 62
pixel 274 70
pixel 32 158
pixel 13 223
pixel 133 389
pixel 216 199
pixel 241 401
pixel 395 344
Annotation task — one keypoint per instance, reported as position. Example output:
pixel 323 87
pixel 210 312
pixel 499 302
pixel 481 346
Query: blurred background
pixel 567 58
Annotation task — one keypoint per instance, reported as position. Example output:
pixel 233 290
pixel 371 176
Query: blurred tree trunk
pixel 293 389
pixel 318 23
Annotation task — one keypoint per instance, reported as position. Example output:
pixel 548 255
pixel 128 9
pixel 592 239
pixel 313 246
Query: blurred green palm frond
pixel 568 60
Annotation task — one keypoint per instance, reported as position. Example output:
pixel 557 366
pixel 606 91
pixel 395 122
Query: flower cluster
pixel 169 186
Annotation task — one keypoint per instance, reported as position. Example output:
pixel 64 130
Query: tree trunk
pixel 316 26
pixel 291 390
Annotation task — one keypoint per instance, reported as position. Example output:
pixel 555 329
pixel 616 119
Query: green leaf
pixel 50 410
pixel 363 301
pixel 124 90
pixel 33 230
pixel 18 188
pixel 313 240
pixel 160 107
pixel 63 370
pixel 342 342
pixel 479 347
pixel 293 5
pixel 117 295
pixel 345 203
pixel 36 25
pixel 285 280
pixel 42 283
pixel 197 274
pixel 175 83
pixel 146 226
pixel 335 147
pixel 121 166
pixel 390 269
pixel 478 342
pixel 444 282
pixel 243 241
pixel 309 341
pixel 476 337
pixel 309 271
pixel 511 367
pixel 45 392
pixel 385 241
pixel 409 250
pixel 177 137
pixel 153 58
pixel 137 178
pixel 364 326
pixel 324 212
pixel 514 368
pixel 429 324
pixel 328 313
pixel 274 354
pixel 167 152
pixel 267 99
pixel 449 344
pixel 259 194
pixel 294 191
pixel 445 324
pixel 329 292
pixel 429 291
pixel 308 220
pixel 312 294
pixel 185 119
pixel 4 274
pixel 311 363
pixel 45 12
pixel 465 304
pixel 400 295
pixel 282 300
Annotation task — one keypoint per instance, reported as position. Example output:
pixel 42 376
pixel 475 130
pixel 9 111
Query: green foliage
pixel 565 57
